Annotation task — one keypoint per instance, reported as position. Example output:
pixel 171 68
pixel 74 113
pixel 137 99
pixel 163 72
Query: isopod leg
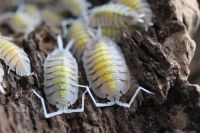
pixel 47 115
pixel 95 102
pixel 79 109
pixel 128 105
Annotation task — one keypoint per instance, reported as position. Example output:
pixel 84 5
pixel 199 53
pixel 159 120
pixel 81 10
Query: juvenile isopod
pixel 80 33
pixel 15 58
pixel 142 7
pixel 61 81
pixel 114 15
pixel 107 72
pixel 1 78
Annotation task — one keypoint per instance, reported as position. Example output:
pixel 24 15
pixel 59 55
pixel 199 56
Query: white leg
pixel 128 105
pixel 2 90
pixel 79 109
pixel 93 99
pixel 47 115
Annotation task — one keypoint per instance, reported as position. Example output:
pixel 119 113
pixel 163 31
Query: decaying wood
pixel 158 60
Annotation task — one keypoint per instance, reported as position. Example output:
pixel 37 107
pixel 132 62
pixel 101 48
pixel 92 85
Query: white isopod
pixel 61 81
pixel 107 72
pixel 14 57
pixel 115 15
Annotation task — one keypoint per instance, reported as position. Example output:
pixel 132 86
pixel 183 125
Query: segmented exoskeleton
pixel 1 78
pixel 61 81
pixel 107 72
pixel 114 15
pixel 15 58
pixel 80 33
pixel 76 7
pixel 116 33
pixel 142 7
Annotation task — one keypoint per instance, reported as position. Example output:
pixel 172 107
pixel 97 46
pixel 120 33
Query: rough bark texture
pixel 158 60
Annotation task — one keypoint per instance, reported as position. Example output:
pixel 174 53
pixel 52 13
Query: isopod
pixel 61 80
pixel 107 72
pixel 76 7
pixel 24 20
pixel 142 7
pixel 1 78
pixel 80 33
pixel 114 15
pixel 15 58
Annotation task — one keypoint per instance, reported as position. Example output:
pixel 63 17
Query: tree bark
pixel 158 60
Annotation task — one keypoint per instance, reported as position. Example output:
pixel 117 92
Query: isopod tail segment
pixel 63 109
pixel 117 101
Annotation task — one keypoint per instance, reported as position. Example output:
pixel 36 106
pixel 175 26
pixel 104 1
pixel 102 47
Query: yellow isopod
pixel 15 58
pixel 76 7
pixel 79 32
pixel 107 72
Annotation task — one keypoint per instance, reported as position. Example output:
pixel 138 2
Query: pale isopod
pixel 142 7
pixel 61 81
pixel 1 78
pixel 15 58
pixel 114 15
pixel 107 72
